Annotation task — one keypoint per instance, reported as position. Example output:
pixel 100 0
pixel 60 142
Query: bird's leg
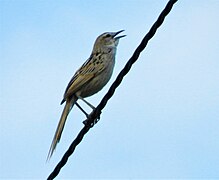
pixel 82 109
pixel 92 107
pixel 89 104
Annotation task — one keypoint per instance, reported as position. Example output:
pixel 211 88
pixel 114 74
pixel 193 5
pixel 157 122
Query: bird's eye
pixel 108 35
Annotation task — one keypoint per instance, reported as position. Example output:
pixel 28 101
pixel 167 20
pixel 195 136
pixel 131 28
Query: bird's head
pixel 108 40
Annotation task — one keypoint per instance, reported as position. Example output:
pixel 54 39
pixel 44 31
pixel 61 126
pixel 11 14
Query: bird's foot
pixel 88 122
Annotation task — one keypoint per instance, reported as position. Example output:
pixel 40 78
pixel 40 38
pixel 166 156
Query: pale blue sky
pixel 163 121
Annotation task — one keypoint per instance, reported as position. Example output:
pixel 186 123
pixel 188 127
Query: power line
pixel 95 114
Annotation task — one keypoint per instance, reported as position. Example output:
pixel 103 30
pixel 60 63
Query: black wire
pixel 95 114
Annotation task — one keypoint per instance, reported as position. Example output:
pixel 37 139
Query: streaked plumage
pixel 90 78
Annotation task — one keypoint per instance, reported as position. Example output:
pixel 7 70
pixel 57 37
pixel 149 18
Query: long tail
pixel 68 106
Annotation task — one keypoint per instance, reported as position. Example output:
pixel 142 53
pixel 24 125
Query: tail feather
pixel 68 106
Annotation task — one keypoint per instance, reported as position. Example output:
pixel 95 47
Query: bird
pixel 89 79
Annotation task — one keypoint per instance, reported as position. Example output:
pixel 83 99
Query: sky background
pixel 163 120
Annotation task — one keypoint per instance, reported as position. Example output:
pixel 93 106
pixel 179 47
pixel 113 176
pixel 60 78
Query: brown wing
pixel 84 74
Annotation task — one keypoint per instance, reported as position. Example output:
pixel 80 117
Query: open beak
pixel 118 37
